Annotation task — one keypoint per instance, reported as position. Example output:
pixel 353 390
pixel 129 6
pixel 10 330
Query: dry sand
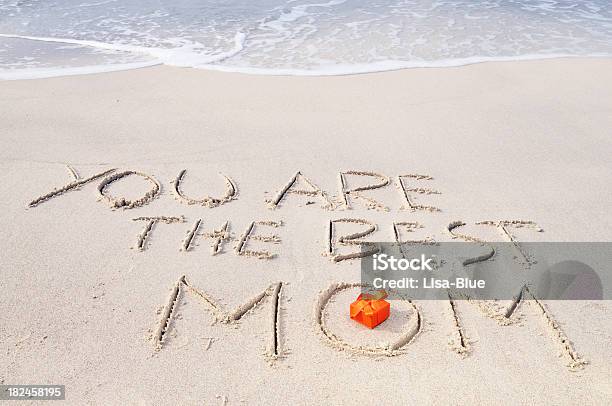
pixel 88 292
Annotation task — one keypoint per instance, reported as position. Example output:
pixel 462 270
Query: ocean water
pixel 41 38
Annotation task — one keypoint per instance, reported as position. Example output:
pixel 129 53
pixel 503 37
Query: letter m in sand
pixel 220 314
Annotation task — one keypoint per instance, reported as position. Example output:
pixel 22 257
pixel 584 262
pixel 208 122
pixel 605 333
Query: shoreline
pixel 332 70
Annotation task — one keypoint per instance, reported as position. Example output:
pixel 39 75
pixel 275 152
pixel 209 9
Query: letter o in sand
pixel 337 329
pixel 120 202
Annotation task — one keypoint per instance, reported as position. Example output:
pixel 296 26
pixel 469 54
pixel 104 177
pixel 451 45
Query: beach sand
pixel 87 293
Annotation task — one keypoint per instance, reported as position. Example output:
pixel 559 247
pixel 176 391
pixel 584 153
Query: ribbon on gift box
pixel 368 306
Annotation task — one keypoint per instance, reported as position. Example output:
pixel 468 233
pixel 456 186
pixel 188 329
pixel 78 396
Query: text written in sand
pixel 345 237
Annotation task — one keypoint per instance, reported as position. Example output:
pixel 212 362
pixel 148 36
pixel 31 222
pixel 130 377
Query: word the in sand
pixel 218 236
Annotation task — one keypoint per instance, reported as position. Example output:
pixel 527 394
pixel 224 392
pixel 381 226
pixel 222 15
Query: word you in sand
pixel 412 188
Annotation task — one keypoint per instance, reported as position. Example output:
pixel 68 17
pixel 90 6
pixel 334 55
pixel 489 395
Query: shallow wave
pixel 293 37
pixel 184 56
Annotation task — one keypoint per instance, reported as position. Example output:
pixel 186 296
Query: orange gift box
pixel 370 313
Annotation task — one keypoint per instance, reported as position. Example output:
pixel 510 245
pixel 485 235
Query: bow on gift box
pixel 370 309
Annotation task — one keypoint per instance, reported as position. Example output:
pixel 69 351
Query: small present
pixel 370 309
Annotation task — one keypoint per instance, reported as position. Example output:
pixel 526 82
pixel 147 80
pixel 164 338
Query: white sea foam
pixel 40 73
pixel 184 56
pixel 293 37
